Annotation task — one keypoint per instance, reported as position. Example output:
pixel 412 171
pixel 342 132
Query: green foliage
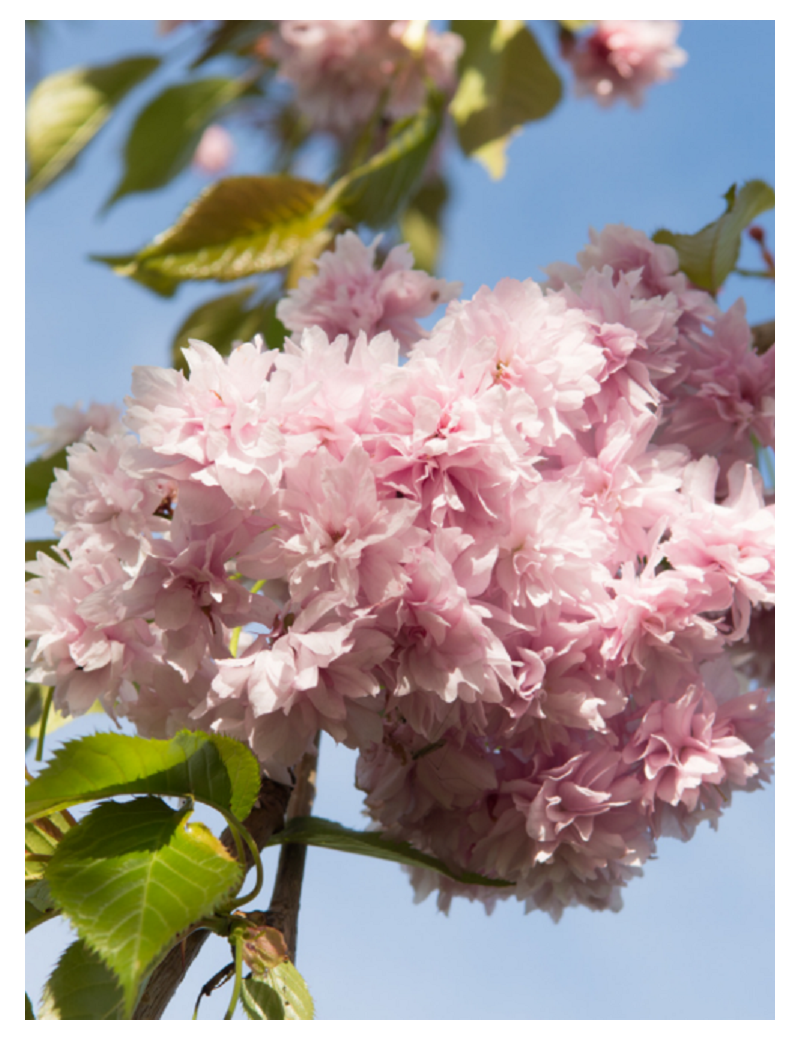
pixel 67 109
pixel 224 320
pixel 309 830
pixel 39 904
pixel 82 987
pixel 39 475
pixel 709 256
pixel 505 82
pixel 210 768
pixel 167 131
pixel 376 192
pixel 231 38
pixel 238 227
pixel 133 876
pixel 29 1008
pixel 280 994
pixel 421 223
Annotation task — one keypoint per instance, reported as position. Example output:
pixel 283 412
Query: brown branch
pixel 763 336
pixel 266 818
pixel 284 909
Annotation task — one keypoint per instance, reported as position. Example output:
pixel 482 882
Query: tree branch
pixel 763 336
pixel 265 820
pixel 284 908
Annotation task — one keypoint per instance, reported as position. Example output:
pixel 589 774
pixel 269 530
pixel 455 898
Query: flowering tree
pixel 523 561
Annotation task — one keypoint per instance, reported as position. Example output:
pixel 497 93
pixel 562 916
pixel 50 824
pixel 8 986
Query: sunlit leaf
pixel 42 837
pixel 39 904
pixel 132 876
pixel 235 228
pixel 210 768
pixel 421 223
pixel 310 830
pixel 281 993
pixel 66 110
pixel 376 192
pixel 505 81
pixel 260 1001
pixel 709 256
pixel 167 131
pixel 82 987
pixel 39 475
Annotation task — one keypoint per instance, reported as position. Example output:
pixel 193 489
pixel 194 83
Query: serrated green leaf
pixel 82 987
pixel 132 876
pixel 709 256
pixel 505 81
pixel 39 904
pixel 42 837
pixel 167 131
pixel 376 192
pixel 281 993
pixel 421 222
pixel 260 1001
pixel 310 830
pixel 235 228
pixel 66 110
pixel 210 768
pixel 39 475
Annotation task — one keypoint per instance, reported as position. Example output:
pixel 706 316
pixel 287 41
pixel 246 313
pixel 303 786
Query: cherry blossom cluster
pixel 342 70
pixel 523 563
pixel 621 59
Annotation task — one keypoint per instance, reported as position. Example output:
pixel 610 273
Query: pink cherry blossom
pixel 620 59
pixel 349 295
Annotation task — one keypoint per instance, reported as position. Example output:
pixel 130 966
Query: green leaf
pixel 39 904
pixel 81 986
pixel 66 110
pixel 42 837
pixel 420 225
pixel 505 82
pixel 28 1006
pixel 260 1001
pixel 708 257
pixel 376 192
pixel 232 37
pixel 166 133
pixel 39 475
pixel 279 994
pixel 226 319
pixel 235 228
pixel 208 767
pixel 132 876
pixel 310 830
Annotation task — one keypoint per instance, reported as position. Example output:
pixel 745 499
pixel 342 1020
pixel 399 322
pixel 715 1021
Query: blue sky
pixel 695 938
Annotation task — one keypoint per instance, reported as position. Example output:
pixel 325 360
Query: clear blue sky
pixel 695 939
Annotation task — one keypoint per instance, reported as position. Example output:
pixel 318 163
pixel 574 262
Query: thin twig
pixel 265 820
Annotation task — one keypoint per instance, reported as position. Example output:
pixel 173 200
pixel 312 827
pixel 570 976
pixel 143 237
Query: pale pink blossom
pixel 348 294
pixel 215 150
pixel 341 69
pixel 684 745
pixel 620 59
pixel 73 422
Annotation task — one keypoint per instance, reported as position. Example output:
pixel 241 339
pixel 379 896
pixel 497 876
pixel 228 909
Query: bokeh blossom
pixel 621 59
